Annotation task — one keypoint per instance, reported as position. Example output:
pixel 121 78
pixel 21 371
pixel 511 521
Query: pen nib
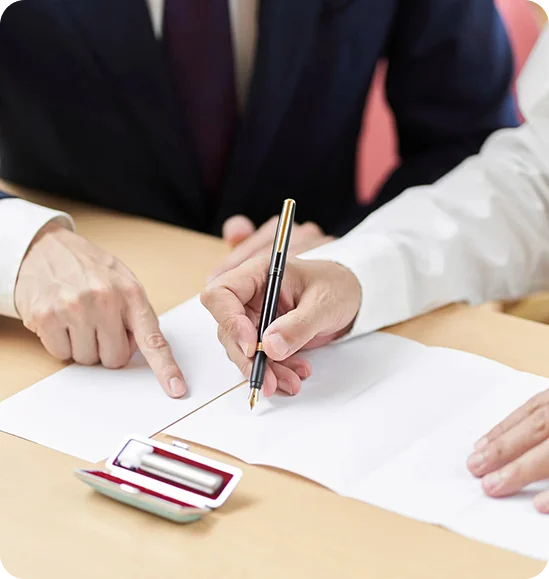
pixel 253 398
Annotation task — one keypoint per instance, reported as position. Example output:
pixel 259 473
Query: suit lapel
pixel 286 33
pixel 120 35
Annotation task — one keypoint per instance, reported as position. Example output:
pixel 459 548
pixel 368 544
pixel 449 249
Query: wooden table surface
pixel 276 524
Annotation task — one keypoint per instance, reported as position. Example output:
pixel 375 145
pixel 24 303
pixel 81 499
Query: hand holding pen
pixel 318 303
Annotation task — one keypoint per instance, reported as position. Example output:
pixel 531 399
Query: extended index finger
pixel 143 323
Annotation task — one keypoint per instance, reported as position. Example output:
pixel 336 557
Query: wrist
pixel 53 227
pixel 353 297
pixel 20 221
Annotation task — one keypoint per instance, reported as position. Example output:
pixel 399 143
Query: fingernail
pixel 247 348
pixel 278 344
pixel 494 481
pixel 542 503
pixel 303 373
pixel 177 388
pixel 284 385
pixel 482 443
pixel 475 461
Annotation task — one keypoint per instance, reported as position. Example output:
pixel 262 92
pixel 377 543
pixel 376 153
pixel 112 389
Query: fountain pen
pixel 272 294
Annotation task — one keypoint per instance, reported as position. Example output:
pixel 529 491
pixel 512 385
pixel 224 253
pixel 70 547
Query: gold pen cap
pixel 284 228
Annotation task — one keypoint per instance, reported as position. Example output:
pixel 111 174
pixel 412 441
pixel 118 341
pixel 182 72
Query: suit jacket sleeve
pixel 480 233
pixel 20 221
pixel 448 84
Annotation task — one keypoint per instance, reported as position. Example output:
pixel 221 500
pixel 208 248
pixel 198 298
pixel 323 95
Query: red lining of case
pixel 227 477
pixel 111 478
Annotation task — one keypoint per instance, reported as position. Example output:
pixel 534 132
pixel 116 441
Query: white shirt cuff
pixel 381 271
pixel 20 221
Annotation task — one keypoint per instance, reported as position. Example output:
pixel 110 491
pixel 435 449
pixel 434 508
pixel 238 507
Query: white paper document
pixel 390 422
pixel 86 411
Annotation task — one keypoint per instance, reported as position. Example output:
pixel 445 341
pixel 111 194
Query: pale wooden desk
pixel 275 525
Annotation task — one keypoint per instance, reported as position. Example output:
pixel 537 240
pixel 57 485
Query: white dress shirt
pixel 20 220
pixel 480 233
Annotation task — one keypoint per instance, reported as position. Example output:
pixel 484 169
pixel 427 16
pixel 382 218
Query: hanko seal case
pixel 166 480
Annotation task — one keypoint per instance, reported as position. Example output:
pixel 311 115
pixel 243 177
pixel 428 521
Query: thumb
pixel 294 330
pixel 236 229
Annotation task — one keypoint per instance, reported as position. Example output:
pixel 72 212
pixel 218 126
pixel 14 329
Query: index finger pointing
pixel 144 325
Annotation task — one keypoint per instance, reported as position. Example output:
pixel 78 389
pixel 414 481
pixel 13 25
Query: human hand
pixel 86 305
pixel 247 241
pixel 318 303
pixel 516 452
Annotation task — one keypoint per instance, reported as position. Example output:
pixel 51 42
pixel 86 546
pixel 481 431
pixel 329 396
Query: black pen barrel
pixel 258 370
pixel 270 305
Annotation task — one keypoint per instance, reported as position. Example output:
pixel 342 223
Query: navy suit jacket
pixel 87 107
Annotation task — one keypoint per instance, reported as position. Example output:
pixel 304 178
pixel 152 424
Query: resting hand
pixel 247 241
pixel 516 452
pixel 318 303
pixel 87 306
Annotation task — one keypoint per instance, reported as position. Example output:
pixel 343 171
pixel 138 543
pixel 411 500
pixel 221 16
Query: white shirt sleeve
pixel 20 221
pixel 480 233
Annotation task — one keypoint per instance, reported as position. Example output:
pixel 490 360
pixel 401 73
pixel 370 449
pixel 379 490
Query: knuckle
pixel 535 404
pixel 327 302
pixel 495 452
pixel 299 320
pixel 257 266
pixel 108 261
pixel 42 317
pixel 145 315
pixel 75 310
pixel 100 292
pixel 132 289
pixel 207 297
pixel 156 341
pixel 312 229
pixel 540 423
pixel 74 306
pixel 325 294
pixel 221 335
pixel 230 325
